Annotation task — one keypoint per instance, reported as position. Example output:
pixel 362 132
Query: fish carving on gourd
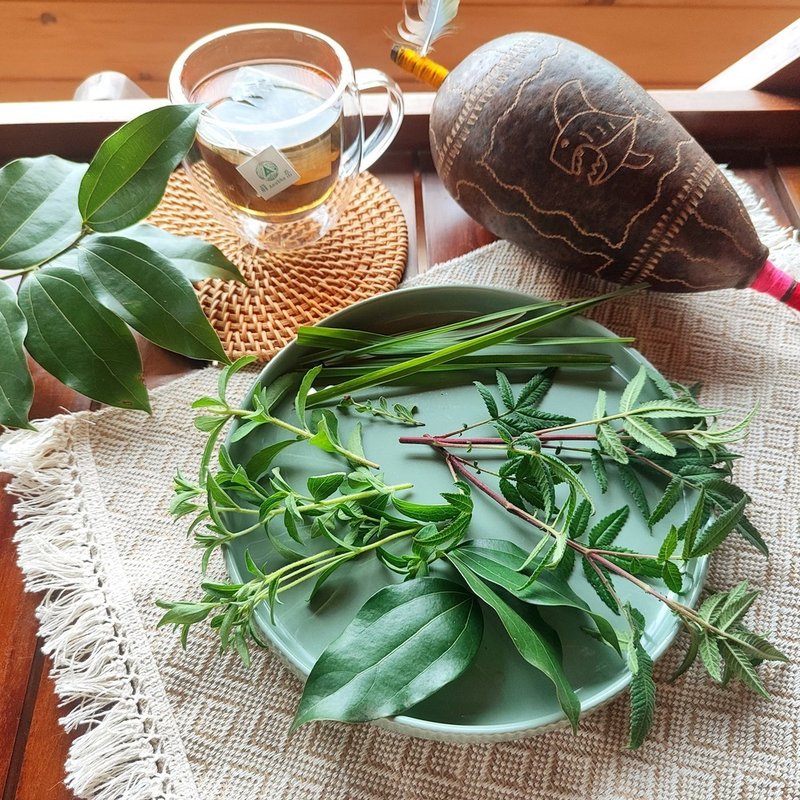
pixel 591 143
pixel 554 148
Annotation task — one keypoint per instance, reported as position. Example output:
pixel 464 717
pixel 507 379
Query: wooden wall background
pixel 48 48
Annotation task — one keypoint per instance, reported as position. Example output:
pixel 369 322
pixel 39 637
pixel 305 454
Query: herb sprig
pixel 450 581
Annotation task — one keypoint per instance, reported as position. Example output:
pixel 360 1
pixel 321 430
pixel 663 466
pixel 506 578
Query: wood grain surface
pixel 50 47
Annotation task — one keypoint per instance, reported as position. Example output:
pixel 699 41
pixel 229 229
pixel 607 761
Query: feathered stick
pixel 433 20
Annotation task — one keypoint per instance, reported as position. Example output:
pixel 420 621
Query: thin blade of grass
pixel 337 338
pixel 546 341
pixel 521 361
pixel 403 344
pixel 414 365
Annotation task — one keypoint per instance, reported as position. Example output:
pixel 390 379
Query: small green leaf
pixel 509 491
pixel 672 494
pixel 710 604
pixel 488 399
pixel 604 532
pixel 251 565
pixel 282 549
pixel 661 383
pixel 16 385
pixel 228 371
pixel 757 646
pixel 711 657
pixel 669 545
pixel 302 393
pixel 533 392
pixel 245 429
pixel 184 613
pixel 322 486
pixel 141 287
pixel 259 464
pixel 462 501
pixel 600 588
pixel 526 420
pixel 78 341
pixel 691 653
pixel 741 666
pixel 194 257
pixel 562 472
pixel 323 576
pixel 732 611
pixel 208 423
pixel 423 512
pixel 506 392
pixel 643 698
pixel 634 486
pixel 689 530
pixel 532 645
pixel 633 390
pixel 610 443
pixel 290 520
pixel 673 409
pixel 271 395
pixel 750 533
pixel 326 437
pixel 407 641
pixel 600 405
pixel 672 577
pixel 649 436
pixel 431 536
pixel 599 469
pixel 128 174
pixel 716 532
pixel 580 520
pixel 38 210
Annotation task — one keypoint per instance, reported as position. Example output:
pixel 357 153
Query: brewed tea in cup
pixel 280 138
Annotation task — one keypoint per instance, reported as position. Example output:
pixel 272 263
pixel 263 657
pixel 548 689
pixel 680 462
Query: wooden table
pixel 757 133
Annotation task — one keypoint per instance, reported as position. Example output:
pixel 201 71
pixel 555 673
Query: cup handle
pixel 378 141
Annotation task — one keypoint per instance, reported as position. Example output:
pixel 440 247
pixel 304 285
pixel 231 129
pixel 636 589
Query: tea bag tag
pixel 268 172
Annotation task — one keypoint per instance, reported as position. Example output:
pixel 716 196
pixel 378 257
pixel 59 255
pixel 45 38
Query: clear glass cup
pixel 280 140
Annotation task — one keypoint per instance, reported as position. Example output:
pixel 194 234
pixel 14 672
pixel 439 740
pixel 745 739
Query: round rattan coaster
pixel 364 255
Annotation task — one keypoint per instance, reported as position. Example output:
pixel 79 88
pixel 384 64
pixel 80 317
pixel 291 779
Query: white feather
pixel 432 20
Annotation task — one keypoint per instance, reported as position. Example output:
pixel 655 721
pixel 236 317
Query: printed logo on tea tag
pixel 268 172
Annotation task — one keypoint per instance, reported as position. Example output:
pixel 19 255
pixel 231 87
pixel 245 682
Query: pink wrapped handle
pixel 774 281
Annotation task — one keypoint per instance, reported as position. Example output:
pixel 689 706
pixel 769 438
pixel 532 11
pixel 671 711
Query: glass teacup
pixel 280 139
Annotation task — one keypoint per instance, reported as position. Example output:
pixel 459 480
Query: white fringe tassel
pixel 118 755
pixel 783 245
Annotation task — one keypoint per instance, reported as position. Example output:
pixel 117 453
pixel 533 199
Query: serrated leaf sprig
pixel 380 408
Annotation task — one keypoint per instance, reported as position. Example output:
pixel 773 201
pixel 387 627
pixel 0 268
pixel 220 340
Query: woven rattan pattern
pixel 365 254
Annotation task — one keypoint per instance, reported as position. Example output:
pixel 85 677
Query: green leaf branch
pixel 92 270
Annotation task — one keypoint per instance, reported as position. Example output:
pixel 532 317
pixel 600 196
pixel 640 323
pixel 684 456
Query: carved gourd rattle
pixel 552 147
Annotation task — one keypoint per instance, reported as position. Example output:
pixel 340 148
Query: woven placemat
pixel 160 723
pixel 365 254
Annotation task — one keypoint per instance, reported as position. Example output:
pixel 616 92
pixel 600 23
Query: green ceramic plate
pixel 499 696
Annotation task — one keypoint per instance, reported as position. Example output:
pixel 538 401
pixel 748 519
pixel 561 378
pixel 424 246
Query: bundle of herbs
pixel 423 629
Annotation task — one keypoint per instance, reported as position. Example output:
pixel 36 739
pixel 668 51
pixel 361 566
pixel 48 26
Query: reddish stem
pixel 443 441
pixel 460 466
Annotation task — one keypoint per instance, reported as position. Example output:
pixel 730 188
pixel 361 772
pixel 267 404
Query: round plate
pixel 499 696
